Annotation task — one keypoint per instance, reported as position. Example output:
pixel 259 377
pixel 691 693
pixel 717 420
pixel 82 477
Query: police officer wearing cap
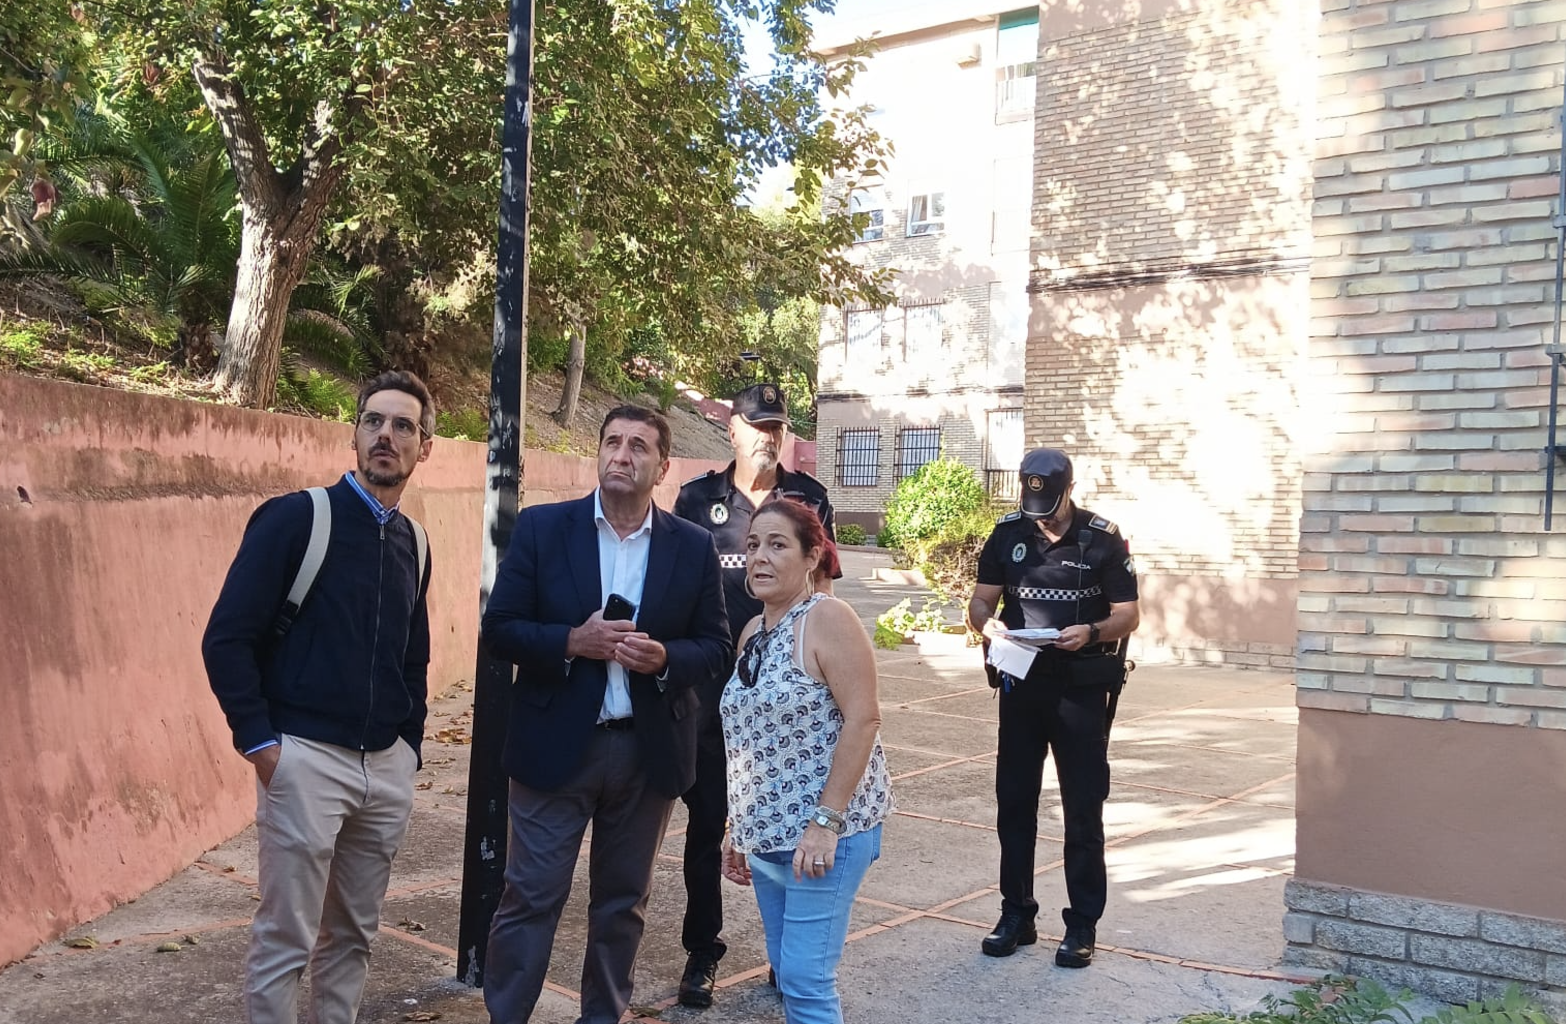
pixel 1053 565
pixel 723 501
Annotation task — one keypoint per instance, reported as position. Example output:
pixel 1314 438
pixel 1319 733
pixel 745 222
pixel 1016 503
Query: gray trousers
pixel 328 827
pixel 545 838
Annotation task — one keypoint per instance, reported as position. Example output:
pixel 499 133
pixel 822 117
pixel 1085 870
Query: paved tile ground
pixel 1200 821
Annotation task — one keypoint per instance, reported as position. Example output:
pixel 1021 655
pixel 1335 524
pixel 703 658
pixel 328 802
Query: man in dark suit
pixel 604 711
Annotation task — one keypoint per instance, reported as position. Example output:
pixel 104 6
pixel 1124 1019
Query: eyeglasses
pixel 750 659
pixel 403 428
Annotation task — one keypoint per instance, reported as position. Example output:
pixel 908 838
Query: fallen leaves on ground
pixel 82 942
pixel 167 947
pixel 422 1015
pixel 408 924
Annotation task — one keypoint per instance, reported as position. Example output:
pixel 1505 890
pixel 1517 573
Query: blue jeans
pixel 807 923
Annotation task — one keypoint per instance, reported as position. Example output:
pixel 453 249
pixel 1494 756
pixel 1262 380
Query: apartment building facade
pixel 1169 286
pixel 940 371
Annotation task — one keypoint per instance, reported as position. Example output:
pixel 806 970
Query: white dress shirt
pixel 622 569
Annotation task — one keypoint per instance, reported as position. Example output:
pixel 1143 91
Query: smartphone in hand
pixel 618 608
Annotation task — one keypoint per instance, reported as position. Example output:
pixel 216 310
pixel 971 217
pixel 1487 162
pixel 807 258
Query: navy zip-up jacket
pixel 352 669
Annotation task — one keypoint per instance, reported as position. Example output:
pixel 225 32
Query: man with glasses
pixel 328 704
pixel 722 501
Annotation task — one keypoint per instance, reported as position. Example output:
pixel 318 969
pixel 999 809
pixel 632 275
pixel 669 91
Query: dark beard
pixel 378 478
pixel 384 479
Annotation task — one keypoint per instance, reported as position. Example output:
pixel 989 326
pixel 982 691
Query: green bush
pixel 1339 1000
pixel 317 392
pixel 21 346
pixel 462 425
pixel 851 534
pixel 885 539
pixel 937 494
pixel 949 558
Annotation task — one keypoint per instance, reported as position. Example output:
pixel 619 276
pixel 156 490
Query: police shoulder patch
pixel 1010 517
pixel 703 478
pixel 1100 523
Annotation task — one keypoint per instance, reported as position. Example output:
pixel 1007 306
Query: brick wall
pixel 960 417
pixel 1169 134
pixel 1446 950
pixel 1431 599
pixel 1428 587
pixel 1171 235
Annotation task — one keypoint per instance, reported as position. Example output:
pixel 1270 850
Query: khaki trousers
pixel 329 825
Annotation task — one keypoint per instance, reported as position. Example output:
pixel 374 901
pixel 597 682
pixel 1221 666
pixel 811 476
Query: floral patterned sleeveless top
pixel 780 735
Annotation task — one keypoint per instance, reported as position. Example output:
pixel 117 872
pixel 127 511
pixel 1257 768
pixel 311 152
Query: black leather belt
pixel 617 724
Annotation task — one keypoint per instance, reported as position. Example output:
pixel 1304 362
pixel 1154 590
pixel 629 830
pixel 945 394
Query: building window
pixel 1016 56
pixel 922 337
pixel 872 205
pixel 864 337
pixel 1011 195
pixel 1003 453
pixel 915 447
pixel 927 214
pixel 859 457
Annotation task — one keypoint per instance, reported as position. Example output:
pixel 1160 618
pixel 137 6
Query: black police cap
pixel 761 403
pixel 1046 476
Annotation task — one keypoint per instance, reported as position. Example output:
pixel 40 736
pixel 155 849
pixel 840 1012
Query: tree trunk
pixel 282 214
pixel 576 361
pixel 272 259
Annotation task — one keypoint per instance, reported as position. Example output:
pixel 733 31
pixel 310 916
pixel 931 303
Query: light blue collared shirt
pixel 381 513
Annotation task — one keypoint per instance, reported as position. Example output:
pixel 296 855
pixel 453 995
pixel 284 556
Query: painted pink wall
pixel 116 768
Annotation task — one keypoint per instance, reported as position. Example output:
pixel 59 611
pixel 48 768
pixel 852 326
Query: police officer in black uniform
pixel 1053 565
pixel 723 502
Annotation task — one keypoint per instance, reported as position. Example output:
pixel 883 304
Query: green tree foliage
pixel 42 46
pixel 372 125
pixel 145 222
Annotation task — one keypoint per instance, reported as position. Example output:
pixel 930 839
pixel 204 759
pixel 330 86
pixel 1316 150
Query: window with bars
pixel 865 330
pixel 859 457
pixel 1003 452
pixel 915 447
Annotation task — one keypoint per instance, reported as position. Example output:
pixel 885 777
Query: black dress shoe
pixel 701 974
pixel 1014 929
pixel 1076 949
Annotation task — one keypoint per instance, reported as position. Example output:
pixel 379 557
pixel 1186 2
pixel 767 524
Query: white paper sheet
pixel 1040 636
pixel 1014 659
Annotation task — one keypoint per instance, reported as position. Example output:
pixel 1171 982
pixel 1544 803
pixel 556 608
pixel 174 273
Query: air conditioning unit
pixel 969 55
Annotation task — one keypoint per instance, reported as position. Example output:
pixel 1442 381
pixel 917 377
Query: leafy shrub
pixel 938 493
pixel 320 393
pixel 21 346
pixel 949 558
pixel 900 620
pixel 851 534
pixel 462 425
pixel 1338 1000
pixel 885 538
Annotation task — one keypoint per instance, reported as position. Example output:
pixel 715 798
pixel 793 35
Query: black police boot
pixel 701 974
pixel 1012 930
pixel 1076 949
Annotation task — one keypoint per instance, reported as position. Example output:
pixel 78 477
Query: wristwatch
pixel 828 819
pixel 1092 632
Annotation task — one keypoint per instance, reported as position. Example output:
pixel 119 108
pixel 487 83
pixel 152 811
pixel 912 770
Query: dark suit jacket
pixel 548 584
